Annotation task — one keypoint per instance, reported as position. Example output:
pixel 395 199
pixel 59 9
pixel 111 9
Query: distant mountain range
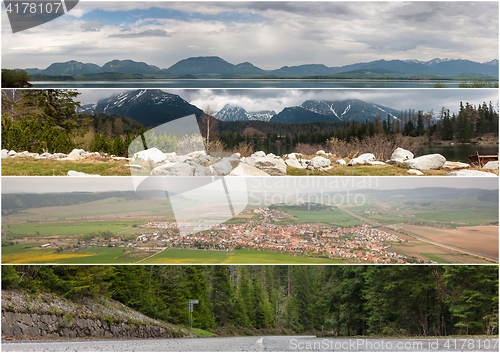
pixel 215 67
pixel 150 107
pixel 153 107
pixel 331 111
pixel 237 113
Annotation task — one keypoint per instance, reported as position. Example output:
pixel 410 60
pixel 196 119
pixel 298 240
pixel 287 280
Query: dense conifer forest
pixel 335 300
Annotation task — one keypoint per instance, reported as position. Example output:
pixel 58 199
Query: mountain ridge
pixel 216 67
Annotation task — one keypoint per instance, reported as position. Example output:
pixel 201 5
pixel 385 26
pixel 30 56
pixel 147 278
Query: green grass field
pixel 267 257
pixel 460 217
pixel 364 170
pixel 329 217
pixel 104 255
pixel 44 167
pixel 436 258
pixel 107 206
pixel 74 228
pixel 187 256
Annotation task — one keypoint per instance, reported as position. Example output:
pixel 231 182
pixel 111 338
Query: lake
pixel 459 152
pixel 235 83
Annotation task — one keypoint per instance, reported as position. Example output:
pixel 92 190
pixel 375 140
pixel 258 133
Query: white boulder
pixel 24 154
pixel 491 165
pixel 363 159
pixel 320 162
pixel 340 161
pixel 291 162
pixel 247 170
pixel 5 154
pixel 174 169
pixel 466 172
pixel 223 167
pixel 321 152
pixel 196 154
pixel 455 165
pixel 74 173
pixel 259 154
pixel 414 172
pixel 133 166
pixel 427 162
pixel 271 166
pixel 395 161
pixel 73 156
pixel 152 154
pixel 401 153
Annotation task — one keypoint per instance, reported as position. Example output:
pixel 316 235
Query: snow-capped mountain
pixel 436 61
pixel 346 110
pixel 150 107
pixel 493 62
pixel 236 113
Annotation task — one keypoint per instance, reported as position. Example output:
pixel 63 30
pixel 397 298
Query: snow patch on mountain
pixel 232 112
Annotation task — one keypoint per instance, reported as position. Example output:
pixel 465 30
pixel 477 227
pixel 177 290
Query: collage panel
pixel 250 132
pixel 250 308
pixel 249 176
pixel 249 220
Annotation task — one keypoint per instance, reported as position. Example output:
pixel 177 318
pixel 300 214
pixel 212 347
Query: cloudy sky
pixel 272 184
pixel 277 99
pixel 268 34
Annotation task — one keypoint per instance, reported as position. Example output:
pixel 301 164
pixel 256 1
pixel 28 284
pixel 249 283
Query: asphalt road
pixel 257 344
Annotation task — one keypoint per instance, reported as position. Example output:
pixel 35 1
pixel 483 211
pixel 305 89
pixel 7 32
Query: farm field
pixel 103 255
pixel 457 217
pixel 240 256
pixel 110 208
pixel 480 239
pixel 327 217
pixel 19 254
pixel 426 252
pixel 69 228
pixel 187 256
pixel 267 257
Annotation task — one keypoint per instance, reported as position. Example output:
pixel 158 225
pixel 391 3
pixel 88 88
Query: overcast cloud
pixel 277 99
pixel 274 184
pixel 267 34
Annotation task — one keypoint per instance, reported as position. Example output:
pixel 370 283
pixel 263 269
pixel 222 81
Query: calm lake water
pixel 459 153
pixel 455 153
pixel 233 83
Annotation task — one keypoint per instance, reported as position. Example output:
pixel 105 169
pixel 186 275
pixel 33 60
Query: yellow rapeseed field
pixel 37 257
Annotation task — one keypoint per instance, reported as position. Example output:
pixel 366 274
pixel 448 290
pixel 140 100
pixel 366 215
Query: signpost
pixel 190 310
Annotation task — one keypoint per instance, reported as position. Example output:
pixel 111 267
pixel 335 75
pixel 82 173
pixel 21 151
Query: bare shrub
pixel 244 149
pixel 307 149
pixel 190 143
pixel 381 146
pixel 84 141
pixel 214 145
